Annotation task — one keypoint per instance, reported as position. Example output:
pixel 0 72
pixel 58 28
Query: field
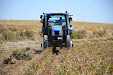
pixel 92 53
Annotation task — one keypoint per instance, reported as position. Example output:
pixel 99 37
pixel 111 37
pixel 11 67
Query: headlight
pixel 60 32
pixel 53 33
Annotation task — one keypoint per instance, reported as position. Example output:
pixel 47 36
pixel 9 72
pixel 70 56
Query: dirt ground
pixel 86 57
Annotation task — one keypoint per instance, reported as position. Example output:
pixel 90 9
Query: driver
pixel 60 21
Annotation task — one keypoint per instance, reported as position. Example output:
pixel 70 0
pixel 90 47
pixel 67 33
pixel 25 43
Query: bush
pixel 82 32
pixel 3 28
pixel 99 33
pixel 9 35
pixel 22 33
pixel 76 35
pixel 29 33
pixel 7 60
pixel 19 55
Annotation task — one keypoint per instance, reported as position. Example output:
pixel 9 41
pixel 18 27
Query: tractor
pixel 56 30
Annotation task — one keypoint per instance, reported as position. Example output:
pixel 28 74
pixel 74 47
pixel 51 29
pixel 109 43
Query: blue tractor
pixel 56 30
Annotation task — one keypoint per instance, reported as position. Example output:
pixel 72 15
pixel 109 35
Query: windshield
pixel 56 20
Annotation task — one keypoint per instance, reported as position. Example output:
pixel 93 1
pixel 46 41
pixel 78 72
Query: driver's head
pixel 60 18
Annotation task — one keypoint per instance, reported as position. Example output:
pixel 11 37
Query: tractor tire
pixel 45 42
pixel 68 42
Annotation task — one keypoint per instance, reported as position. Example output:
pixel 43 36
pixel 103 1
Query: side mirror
pixel 41 21
pixel 40 16
pixel 70 19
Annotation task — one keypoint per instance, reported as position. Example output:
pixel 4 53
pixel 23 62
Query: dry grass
pixel 86 29
pixel 20 22
pixel 92 26
pixel 92 53
pixel 35 25
pixel 15 25
pixel 87 58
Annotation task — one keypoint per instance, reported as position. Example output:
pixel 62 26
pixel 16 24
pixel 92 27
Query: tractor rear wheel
pixel 68 42
pixel 45 42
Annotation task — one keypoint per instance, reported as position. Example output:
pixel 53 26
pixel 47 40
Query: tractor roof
pixel 56 13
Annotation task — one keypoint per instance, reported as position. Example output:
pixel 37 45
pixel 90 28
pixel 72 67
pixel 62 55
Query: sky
pixel 82 10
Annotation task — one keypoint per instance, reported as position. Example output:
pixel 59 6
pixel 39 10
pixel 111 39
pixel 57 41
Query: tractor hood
pixel 57 28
